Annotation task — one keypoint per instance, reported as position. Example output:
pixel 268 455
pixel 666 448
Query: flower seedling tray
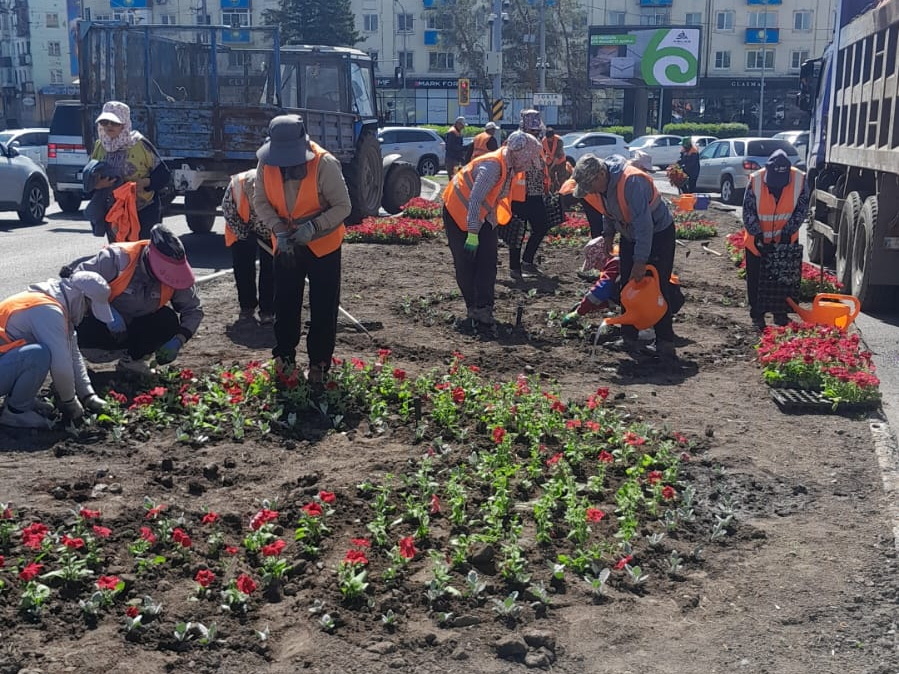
pixel 803 401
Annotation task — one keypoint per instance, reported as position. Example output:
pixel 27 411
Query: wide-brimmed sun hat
pixel 167 259
pixel 287 143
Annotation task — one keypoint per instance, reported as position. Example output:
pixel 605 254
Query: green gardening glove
pixel 571 318
pixel 471 243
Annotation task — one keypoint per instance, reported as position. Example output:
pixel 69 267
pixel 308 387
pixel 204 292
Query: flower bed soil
pixel 802 579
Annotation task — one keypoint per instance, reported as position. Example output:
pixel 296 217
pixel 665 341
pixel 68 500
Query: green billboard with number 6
pixel 637 56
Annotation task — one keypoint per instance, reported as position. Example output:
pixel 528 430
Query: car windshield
pixel 5 137
pixel 642 141
pixel 571 138
pixel 764 148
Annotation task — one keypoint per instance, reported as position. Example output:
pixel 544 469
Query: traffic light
pixel 464 91
pixel 400 74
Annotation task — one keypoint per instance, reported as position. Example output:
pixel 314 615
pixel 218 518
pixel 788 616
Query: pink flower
pixel 407 547
pixel 102 532
pixel 327 496
pixel 435 504
pixel 231 549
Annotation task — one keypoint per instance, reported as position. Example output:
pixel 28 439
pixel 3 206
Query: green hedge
pixel 468 131
pixel 626 131
pixel 730 130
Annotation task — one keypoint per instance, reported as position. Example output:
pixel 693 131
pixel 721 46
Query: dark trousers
pixel 533 211
pixel 475 274
pixel 324 304
pixel 243 257
pixel 690 186
pixel 753 273
pixel 595 219
pixel 149 215
pixel 145 333
pixel 661 256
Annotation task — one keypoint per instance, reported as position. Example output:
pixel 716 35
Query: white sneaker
pixel 136 366
pixel 27 419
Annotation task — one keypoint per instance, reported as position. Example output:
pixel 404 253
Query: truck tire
pixel 364 179
pixel 819 247
pixel 69 202
pixel 401 184
pixel 200 200
pixel 871 296
pixel 847 223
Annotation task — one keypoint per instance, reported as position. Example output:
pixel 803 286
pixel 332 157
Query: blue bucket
pixel 702 202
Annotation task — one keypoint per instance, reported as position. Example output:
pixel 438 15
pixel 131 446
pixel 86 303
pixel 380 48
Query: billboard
pixel 643 56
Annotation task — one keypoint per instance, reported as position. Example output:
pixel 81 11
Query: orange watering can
pixel 643 302
pixel 829 309
pixel 684 202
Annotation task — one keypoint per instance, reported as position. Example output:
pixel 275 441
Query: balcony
pixel 24 59
pixel 762 36
pixel 5 61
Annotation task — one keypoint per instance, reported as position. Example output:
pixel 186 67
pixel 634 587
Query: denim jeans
pixel 22 371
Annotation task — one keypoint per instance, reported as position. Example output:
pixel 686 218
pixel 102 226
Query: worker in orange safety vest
pixel 485 141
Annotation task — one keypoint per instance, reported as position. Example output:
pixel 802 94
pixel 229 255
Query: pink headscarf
pixel 126 138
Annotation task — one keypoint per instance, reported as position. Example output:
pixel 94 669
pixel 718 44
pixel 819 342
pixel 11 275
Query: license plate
pixel 79 175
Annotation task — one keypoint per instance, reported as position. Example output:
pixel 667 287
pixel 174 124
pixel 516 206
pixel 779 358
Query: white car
pixel 31 143
pixel 23 186
pixel 699 142
pixel 422 148
pixel 662 150
pixel 596 143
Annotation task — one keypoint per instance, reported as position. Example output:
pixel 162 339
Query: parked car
pixel 31 143
pixel 799 139
pixel 422 148
pixel 66 155
pixel 595 142
pixel 699 142
pixel 24 187
pixel 725 165
pixel 663 150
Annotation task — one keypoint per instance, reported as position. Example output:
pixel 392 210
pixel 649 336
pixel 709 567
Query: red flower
pixel 654 477
pixel 383 354
pixel 398 374
pixel 624 561
pixel 2 561
pixel 264 516
pixel 153 512
pixel 573 423
pixel 204 578
pixel 6 514
pixel 102 532
pixel 186 374
pixel 605 457
pixel 435 504
pixel 157 392
pixel 668 492
pixel 631 438
pixel 274 548
pixel 132 611
pixel 232 549
pixel 120 398
pixel 594 514
pixel 554 459
pixel 180 537
pixel 312 509
pixel 89 514
pixel 33 535
pixel 210 518
pixel 361 542
pixel 108 582
pixel 355 557
pixel 681 438
pixel 31 571
pixel 407 547
pixel 499 433
pixel 458 395
pixel 246 584
pixel 72 543
pixel 147 534
pixel 327 496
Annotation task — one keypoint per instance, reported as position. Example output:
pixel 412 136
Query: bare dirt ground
pixel 804 582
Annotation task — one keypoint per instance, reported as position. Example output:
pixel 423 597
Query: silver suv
pixel 66 156
pixel 23 186
pixel 422 148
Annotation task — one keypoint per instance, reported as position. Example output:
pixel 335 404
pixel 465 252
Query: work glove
pixel 94 403
pixel 571 318
pixel 471 243
pixel 284 252
pixel 760 244
pixel 71 409
pixel 168 352
pixel 304 233
pixel 117 326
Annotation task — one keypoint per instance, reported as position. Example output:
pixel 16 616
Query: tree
pixel 324 22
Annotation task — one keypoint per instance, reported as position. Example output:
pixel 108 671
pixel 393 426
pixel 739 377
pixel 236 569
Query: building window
pixel 440 21
pixel 53 49
pixel 756 59
pixel 617 18
pixel 654 17
pixel 103 17
pixel 763 19
pixel 374 58
pixel 168 19
pixel 236 18
pixel 204 19
pixel 370 23
pixel 238 59
pixel 722 60
pixel 797 58
pixel 694 19
pixel 802 20
pixel 55 76
pixel 404 23
pixel 441 61
pixel 404 58
pixel 52 20
pixel 724 20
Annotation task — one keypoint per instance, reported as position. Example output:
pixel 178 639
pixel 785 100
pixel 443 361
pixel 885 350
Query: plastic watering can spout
pixel 643 302
pixel 829 309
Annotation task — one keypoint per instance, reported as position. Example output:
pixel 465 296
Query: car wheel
pixel 69 202
pixel 727 190
pixel 428 165
pixel 35 200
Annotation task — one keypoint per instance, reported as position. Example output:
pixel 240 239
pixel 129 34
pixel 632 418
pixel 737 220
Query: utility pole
pixel 542 62
pixel 497 37
pixel 762 87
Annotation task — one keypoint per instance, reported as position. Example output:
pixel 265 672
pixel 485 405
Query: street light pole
pixel 762 87
pixel 402 83
pixel 497 36
pixel 542 64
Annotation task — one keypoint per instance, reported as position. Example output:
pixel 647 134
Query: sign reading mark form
pixel 547 99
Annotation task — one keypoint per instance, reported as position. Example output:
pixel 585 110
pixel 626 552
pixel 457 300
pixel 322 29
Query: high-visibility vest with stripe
pixel 480 144
pixel 14 304
pixel 307 204
pixel 550 146
pixel 774 214
pixel 241 202
pixel 598 201
pixel 458 191
pixel 118 285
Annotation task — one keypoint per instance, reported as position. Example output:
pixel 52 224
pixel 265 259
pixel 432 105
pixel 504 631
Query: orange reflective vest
pixel 480 144
pixel 307 204
pixel 598 201
pixel 122 215
pixel 118 285
pixel 550 147
pixel 774 214
pixel 16 303
pixel 458 191
pixel 241 202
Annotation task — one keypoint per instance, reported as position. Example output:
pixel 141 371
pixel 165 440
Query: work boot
pixel 26 419
pixel 247 316
pixel 661 350
pixel 781 319
pixel 530 269
pixel 266 318
pixel 483 315
pixel 516 275
pixel 759 323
